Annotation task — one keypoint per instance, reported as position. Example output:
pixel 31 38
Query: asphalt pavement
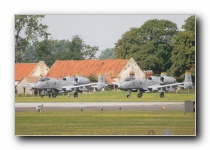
pixel 100 105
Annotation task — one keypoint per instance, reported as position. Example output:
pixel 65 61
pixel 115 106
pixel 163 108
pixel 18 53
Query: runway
pixel 100 105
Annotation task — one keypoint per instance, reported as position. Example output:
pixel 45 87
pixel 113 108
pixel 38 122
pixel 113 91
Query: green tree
pixel 183 54
pixel 78 50
pixel 128 45
pixel 189 24
pixel 75 48
pixel 92 78
pixel 28 29
pixel 107 54
pixel 150 45
pixel 44 51
pixel 89 52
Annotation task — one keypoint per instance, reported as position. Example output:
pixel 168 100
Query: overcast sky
pixel 100 30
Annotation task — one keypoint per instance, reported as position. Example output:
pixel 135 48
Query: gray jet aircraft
pixel 80 86
pixel 67 85
pixel 153 84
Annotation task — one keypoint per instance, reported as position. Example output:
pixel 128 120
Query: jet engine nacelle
pixel 81 80
pixel 167 80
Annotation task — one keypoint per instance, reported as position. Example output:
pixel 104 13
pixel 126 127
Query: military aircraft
pixel 153 84
pixel 67 85
pixel 81 85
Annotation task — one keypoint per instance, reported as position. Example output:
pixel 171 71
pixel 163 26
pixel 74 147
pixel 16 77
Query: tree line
pixel 157 45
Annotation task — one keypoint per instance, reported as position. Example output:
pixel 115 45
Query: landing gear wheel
pixel 139 95
pixel 161 95
pixel 54 95
pixel 128 96
pixel 75 95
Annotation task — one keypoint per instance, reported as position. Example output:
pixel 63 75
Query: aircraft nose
pixel 34 87
pixel 120 86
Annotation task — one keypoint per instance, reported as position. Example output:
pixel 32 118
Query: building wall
pixel 131 66
pixel 148 73
pixel 16 82
pixel 41 69
pixel 21 89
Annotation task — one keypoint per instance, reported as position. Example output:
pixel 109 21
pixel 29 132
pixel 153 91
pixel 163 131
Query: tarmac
pixel 100 105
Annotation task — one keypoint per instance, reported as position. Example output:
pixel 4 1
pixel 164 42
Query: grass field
pixel 112 122
pixel 109 122
pixel 113 96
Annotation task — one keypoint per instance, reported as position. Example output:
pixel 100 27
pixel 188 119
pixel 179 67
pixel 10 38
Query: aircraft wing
pixel 27 85
pixel 115 83
pixel 164 86
pixel 78 86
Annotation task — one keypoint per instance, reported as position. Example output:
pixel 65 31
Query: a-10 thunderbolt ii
pixel 160 84
pixel 67 84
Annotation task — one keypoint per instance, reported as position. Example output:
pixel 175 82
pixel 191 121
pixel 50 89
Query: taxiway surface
pixel 101 105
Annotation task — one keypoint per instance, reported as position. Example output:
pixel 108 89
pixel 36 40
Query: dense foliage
pixel 107 54
pixel 28 30
pixel 183 54
pixel 150 45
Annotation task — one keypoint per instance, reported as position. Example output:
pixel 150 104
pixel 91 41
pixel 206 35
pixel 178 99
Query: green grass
pixel 108 122
pixel 113 96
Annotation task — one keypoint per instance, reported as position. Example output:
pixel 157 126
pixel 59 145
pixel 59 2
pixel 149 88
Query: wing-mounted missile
pixel 67 88
pixel 80 80
pixel 170 88
pixel 83 89
pixel 167 80
pixel 154 89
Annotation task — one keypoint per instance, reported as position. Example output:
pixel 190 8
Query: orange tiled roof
pixel 23 70
pixel 110 67
pixel 32 79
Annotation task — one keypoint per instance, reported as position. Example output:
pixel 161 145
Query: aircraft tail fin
pixel 101 82
pixel 163 74
pixel 101 78
pixel 187 80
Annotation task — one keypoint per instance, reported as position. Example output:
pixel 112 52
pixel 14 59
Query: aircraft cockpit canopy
pixel 44 79
pixel 64 79
pixel 129 78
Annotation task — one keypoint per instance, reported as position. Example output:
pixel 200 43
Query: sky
pixel 101 30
